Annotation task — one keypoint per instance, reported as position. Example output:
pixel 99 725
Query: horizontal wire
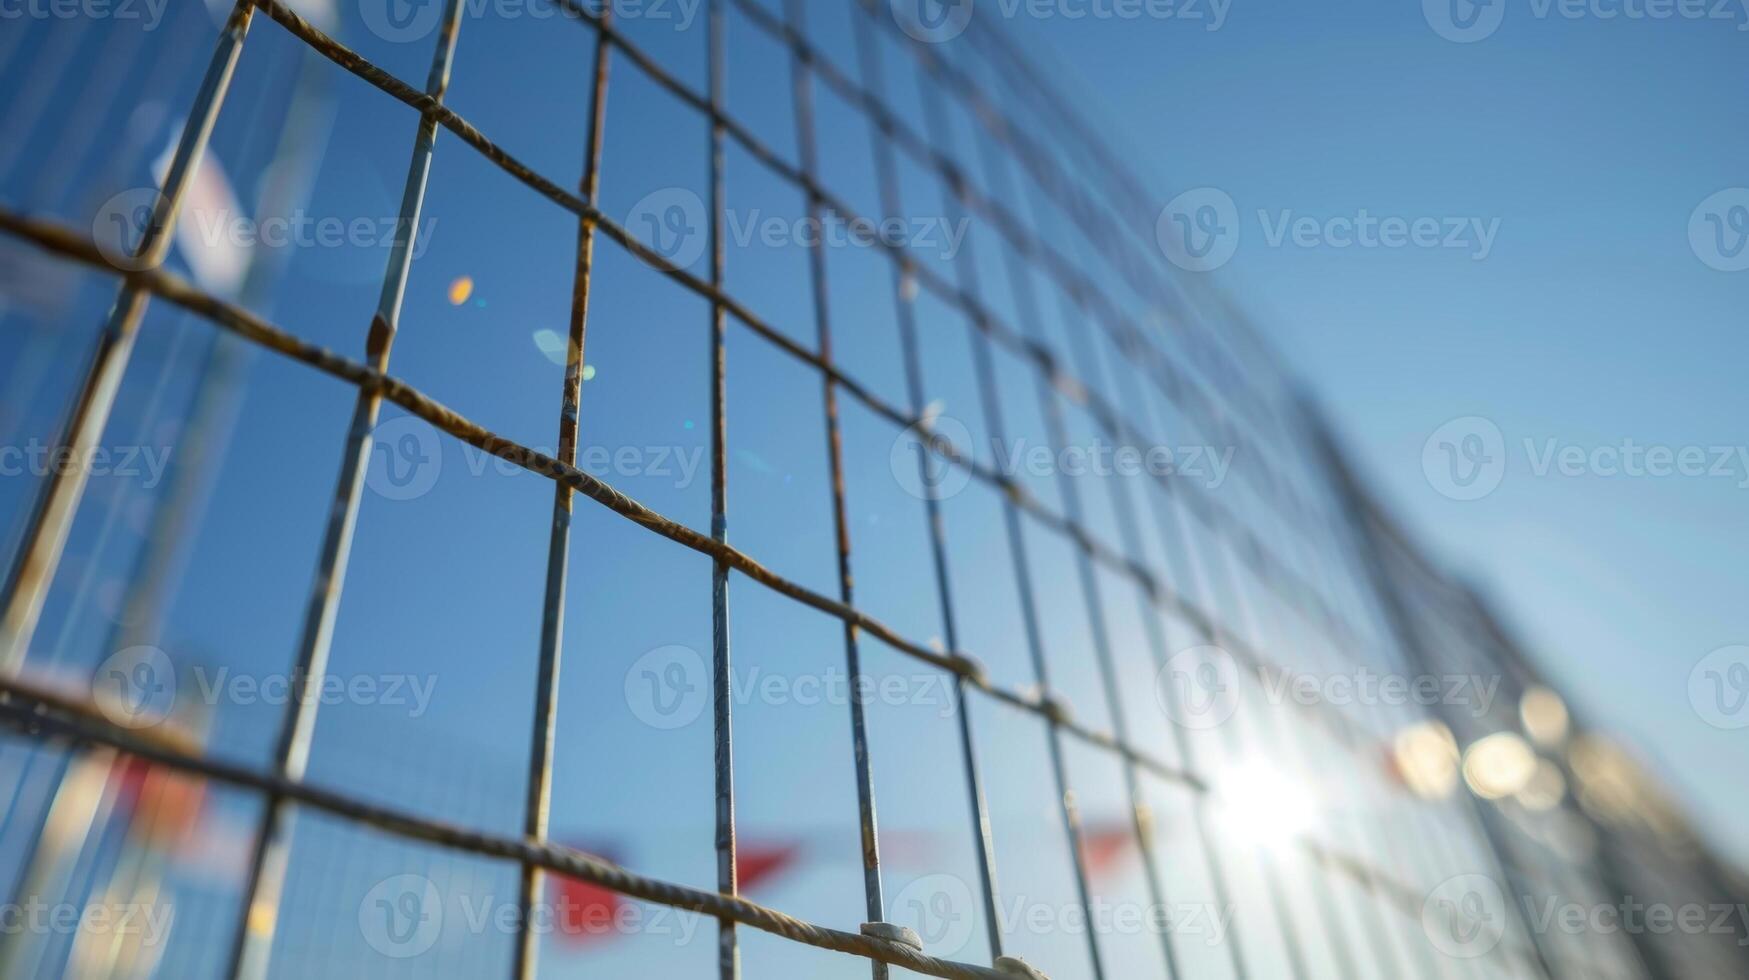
pixel 1254 552
pixel 55 714
pixel 62 241
pixel 37 711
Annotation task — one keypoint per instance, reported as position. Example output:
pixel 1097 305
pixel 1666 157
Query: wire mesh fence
pixel 1120 564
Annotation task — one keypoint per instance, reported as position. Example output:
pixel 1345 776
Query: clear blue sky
pixel 1591 322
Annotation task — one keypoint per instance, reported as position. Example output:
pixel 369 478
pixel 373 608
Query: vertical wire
pixel 1024 71
pixel 1344 734
pixel 1050 181
pixel 1183 744
pixel 1129 528
pixel 1321 883
pixel 1140 202
pixel 1337 937
pixel 1194 583
pixel 1401 623
pixel 722 678
pixel 1052 412
pixel 546 703
pixel 1053 416
pixel 51 521
pixel 904 286
pixel 252 941
pixel 979 340
pixel 802 71
pixel 1415 822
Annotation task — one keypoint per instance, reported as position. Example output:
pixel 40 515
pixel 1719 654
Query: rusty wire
pixel 31 709
pixel 178 291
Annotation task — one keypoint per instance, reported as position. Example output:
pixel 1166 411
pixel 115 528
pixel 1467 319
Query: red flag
pixel 757 863
pixel 162 806
pixel 586 912
pixel 1105 847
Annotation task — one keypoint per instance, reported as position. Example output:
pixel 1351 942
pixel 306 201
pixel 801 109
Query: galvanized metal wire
pixel 1119 410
